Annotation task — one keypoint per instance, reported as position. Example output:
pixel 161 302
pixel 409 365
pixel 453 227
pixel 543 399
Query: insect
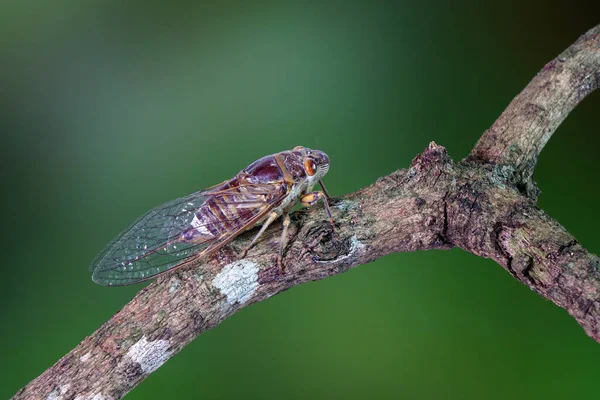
pixel 180 231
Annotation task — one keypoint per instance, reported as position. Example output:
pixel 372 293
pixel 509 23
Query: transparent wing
pixel 153 245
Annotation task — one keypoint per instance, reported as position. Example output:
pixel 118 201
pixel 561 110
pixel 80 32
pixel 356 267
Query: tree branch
pixel 521 132
pixel 478 204
pixel 386 217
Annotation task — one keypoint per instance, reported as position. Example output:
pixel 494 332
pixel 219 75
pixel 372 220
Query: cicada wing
pixel 152 244
pixel 146 247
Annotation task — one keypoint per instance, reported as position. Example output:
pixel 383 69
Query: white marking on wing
pixel 200 227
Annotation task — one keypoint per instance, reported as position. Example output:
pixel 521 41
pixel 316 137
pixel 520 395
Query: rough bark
pixel 484 204
pixel 519 134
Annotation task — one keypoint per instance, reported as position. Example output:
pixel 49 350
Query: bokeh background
pixel 109 108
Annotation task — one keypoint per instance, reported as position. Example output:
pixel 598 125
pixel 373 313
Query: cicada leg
pixel 284 236
pixel 327 196
pixel 272 217
pixel 312 198
pixel 283 241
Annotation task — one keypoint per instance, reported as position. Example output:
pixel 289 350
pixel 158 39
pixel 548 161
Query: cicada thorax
pixel 230 206
pixel 293 163
pixel 286 166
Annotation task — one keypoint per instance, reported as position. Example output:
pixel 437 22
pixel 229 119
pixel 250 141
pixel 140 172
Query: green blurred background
pixel 109 109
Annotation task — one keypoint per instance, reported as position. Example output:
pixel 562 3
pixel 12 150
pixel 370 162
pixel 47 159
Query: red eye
pixel 311 167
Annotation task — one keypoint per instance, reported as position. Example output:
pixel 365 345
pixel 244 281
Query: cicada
pixel 181 231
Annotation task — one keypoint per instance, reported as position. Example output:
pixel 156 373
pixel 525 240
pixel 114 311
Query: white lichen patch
pixel 197 276
pixel 356 248
pixel 346 205
pixel 58 393
pixel 149 354
pixel 174 285
pixel 238 281
pixel 96 396
pixel 85 357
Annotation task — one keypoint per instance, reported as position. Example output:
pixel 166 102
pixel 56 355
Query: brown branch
pixel 521 132
pixel 477 204
pixel 386 217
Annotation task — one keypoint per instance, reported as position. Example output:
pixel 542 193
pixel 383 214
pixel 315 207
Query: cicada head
pixel 315 164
